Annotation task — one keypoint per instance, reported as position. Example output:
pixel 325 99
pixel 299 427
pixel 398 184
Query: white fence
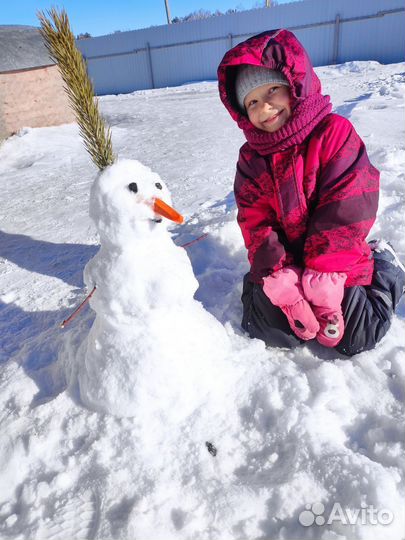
pixel 333 31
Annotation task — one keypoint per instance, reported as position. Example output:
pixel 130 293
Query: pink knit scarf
pixel 307 113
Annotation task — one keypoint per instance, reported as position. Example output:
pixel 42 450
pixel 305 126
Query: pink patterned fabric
pixel 307 194
pixel 324 291
pixel 283 289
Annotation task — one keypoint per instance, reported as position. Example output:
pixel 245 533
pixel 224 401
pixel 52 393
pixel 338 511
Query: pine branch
pixel 60 42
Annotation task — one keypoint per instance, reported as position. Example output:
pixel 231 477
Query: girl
pixel 307 196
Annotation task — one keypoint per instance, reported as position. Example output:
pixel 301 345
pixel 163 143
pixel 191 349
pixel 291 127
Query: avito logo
pixel 366 515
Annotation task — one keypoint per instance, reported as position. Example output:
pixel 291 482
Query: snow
pixel 292 428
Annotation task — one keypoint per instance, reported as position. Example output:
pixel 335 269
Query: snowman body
pixel 151 344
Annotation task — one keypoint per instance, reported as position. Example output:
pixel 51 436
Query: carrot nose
pixel 163 209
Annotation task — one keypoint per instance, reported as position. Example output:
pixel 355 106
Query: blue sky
pixel 100 17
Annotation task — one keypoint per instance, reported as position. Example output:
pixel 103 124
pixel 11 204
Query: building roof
pixel 22 47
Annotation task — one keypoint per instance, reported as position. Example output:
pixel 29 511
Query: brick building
pixel 31 88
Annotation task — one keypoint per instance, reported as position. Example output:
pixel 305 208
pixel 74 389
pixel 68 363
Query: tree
pixel 86 35
pixel 262 3
pixel 194 16
pixel 205 14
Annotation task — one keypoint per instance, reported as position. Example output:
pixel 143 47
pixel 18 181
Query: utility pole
pixel 169 19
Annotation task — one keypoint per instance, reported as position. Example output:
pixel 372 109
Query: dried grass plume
pixel 60 42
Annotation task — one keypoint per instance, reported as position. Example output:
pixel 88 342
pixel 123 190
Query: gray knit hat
pixel 250 77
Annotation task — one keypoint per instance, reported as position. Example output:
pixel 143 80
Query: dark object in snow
pixel 211 449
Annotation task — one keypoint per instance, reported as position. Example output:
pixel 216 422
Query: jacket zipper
pixel 296 185
pixel 276 190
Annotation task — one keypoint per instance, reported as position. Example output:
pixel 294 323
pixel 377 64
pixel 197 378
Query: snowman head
pixel 127 197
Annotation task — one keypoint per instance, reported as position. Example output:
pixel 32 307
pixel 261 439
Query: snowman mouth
pixel 164 210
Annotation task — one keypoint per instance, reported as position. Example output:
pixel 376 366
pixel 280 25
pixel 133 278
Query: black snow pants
pixel 367 311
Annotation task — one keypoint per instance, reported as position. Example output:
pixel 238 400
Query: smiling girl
pixel 307 197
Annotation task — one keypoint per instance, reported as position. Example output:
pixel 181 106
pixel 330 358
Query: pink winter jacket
pixel 306 194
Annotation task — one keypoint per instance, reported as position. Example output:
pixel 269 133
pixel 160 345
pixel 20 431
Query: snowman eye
pixel 158 185
pixel 133 187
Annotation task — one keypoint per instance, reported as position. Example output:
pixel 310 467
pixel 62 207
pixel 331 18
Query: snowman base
pixel 123 370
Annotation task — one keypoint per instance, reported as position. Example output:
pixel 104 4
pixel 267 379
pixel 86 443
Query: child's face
pixel 268 106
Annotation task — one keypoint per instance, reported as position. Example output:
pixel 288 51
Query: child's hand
pixel 324 290
pixel 283 289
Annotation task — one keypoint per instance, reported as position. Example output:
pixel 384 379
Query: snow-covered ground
pixel 306 426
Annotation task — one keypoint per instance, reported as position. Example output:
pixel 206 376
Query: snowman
pixel 151 341
pixel 152 346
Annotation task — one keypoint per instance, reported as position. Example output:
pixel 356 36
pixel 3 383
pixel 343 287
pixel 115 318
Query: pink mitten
pixel 324 291
pixel 283 289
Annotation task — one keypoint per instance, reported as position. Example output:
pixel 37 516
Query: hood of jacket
pixel 279 50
